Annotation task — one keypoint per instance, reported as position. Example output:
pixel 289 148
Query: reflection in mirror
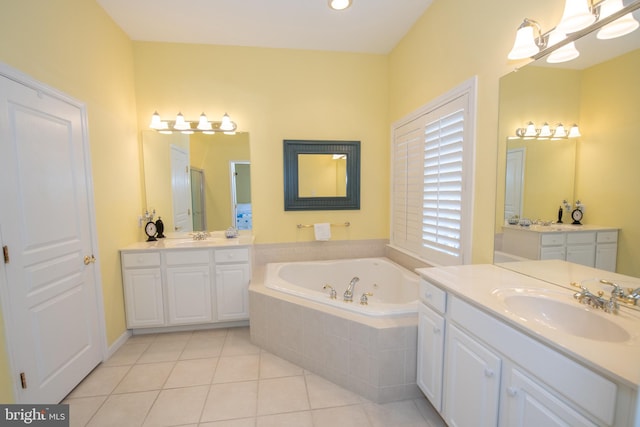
pixel 322 175
pixel 198 182
pixel 603 97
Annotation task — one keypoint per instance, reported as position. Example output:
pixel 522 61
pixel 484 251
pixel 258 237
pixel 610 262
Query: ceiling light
pixel 339 4
pixel 620 26
pixel 577 15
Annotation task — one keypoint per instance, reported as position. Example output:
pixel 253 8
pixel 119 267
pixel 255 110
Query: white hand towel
pixel 322 231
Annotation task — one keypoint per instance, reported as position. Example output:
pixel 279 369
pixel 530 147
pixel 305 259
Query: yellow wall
pixel 608 172
pixel 73 46
pixel 278 94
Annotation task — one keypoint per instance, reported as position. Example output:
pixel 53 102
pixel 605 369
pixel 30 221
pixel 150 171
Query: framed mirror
pixel 599 91
pixel 321 175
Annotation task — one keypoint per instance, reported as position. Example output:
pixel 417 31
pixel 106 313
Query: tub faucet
pixel 348 294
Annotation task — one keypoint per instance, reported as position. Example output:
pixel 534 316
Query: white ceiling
pixel 368 26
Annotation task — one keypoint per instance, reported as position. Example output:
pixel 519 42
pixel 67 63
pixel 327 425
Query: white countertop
pixel 186 241
pixel 476 284
pixel 558 228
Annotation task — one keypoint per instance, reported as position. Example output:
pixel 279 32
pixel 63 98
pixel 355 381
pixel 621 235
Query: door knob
pixel 89 259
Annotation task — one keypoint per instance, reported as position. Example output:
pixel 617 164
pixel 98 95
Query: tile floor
pixel 218 378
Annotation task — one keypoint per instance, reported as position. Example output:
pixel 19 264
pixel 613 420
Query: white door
pixel 49 293
pixel 181 189
pixel 514 183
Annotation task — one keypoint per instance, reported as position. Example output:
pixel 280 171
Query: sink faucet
pixel 631 296
pixel 596 301
pixel 348 294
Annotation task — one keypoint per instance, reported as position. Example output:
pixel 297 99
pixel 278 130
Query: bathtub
pixel 393 290
pixel 370 350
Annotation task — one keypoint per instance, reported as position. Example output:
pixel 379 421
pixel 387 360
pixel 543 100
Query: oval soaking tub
pixel 390 289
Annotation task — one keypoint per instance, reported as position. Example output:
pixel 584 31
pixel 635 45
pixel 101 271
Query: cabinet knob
pixel 512 391
pixel 436 330
pixel 488 373
pixel 428 295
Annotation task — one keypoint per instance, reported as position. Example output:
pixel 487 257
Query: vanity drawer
pixel 607 236
pixel 186 257
pixel 580 238
pixel 141 259
pixel 232 255
pixel 553 239
pixel 433 296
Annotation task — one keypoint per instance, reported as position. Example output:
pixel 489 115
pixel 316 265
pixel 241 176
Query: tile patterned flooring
pixel 218 378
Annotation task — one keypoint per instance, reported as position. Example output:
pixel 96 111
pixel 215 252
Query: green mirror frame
pixel 292 200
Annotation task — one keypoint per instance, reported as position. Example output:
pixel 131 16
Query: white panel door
pixel 430 354
pixel 189 294
pixel 49 296
pixel 181 189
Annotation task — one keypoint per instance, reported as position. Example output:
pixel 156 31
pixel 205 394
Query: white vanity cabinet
pixel 178 287
pixel 232 283
pixel 143 289
pixel 588 245
pixel 188 286
pixel 472 378
pixel 431 342
pixel 493 374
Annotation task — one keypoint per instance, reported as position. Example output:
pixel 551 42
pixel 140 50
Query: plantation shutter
pixel 431 158
pixel 407 185
pixel 443 180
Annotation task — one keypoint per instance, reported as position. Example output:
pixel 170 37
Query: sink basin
pixel 192 243
pixel 558 311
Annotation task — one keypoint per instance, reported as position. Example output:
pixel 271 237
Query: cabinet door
pixel 232 291
pixel 606 254
pixel 528 404
pixel 582 254
pixel 188 294
pixel 143 297
pixel 430 354
pixel 472 382
pixel 552 252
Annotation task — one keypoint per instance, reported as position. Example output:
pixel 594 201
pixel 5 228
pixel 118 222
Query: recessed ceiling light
pixel 339 4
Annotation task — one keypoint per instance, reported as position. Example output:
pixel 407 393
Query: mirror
pixel 321 175
pixel 198 182
pixel 600 92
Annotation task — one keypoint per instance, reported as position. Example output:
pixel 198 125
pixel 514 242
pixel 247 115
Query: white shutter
pixel 407 185
pixel 431 190
pixel 443 184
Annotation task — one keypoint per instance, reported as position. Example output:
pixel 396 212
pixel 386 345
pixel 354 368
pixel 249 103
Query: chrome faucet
pixel 596 301
pixel 332 293
pixel 348 294
pixel 631 296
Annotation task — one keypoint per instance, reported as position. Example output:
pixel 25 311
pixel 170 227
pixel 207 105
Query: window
pixel 431 180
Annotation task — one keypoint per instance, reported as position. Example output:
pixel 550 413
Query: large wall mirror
pixel 321 175
pixel 599 90
pixel 198 182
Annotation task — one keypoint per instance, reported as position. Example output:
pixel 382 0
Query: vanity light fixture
pixel 545 132
pixel 339 4
pixel 620 26
pixel 203 125
pixel 610 17
pixel 577 15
